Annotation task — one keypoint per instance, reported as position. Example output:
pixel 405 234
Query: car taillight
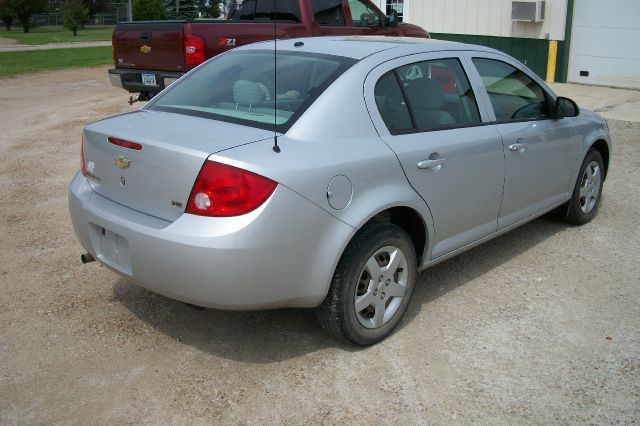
pixel 193 50
pixel 223 190
pixel 83 168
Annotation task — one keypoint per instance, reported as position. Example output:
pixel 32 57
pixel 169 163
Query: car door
pixel 539 149
pixel 425 111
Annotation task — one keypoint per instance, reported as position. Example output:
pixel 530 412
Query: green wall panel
pixel 531 51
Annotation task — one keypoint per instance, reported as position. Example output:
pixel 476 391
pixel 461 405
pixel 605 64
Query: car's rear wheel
pixel 587 193
pixel 372 285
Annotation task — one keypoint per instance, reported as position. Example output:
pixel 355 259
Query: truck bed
pixel 154 45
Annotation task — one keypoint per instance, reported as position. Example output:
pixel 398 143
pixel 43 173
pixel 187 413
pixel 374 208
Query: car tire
pixel 371 287
pixel 587 192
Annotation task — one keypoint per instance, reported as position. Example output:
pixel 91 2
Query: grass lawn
pixel 14 63
pixel 45 35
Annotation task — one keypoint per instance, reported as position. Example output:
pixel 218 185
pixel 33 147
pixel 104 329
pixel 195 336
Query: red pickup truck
pixel 149 55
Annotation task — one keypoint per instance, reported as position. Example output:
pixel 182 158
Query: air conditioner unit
pixel 530 11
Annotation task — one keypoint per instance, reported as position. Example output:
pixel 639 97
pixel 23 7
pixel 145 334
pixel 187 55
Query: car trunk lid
pixel 156 179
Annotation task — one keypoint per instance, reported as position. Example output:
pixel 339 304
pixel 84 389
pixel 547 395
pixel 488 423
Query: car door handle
pixel 518 147
pixel 431 164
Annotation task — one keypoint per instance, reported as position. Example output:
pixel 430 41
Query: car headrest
pixel 424 93
pixel 247 93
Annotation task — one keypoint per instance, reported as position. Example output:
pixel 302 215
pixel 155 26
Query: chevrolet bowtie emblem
pixel 122 162
pixel 145 49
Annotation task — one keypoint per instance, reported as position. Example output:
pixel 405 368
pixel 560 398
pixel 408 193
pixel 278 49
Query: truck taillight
pixel 223 190
pixel 193 50
pixel 83 168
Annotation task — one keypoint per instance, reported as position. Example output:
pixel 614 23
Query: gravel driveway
pixel 541 325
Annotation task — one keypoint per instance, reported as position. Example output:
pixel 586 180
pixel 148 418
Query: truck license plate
pixel 149 79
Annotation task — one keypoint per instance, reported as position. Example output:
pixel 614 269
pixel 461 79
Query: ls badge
pixel 145 49
pixel 122 162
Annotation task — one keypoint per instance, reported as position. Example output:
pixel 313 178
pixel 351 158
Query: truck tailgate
pixel 149 45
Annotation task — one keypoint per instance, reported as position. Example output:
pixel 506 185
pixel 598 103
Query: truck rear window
pixel 244 87
pixel 250 10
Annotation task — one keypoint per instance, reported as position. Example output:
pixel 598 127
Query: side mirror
pixel 392 19
pixel 565 107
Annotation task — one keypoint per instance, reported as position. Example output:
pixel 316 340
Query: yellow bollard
pixel 551 61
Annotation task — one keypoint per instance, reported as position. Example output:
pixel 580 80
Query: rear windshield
pixel 244 87
pixel 269 10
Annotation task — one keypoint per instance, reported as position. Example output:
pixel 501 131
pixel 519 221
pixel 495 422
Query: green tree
pixel 181 9
pixel 95 6
pixel 24 9
pixel 208 8
pixel 53 6
pixel 7 13
pixel 74 14
pixel 144 10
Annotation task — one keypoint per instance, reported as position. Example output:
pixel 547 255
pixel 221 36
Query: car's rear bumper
pixel 280 255
pixel 131 80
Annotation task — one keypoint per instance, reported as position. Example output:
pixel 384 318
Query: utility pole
pixel 130 12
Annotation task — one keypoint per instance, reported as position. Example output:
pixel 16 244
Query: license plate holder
pixel 114 250
pixel 148 79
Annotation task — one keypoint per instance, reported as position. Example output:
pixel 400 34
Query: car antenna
pixel 276 148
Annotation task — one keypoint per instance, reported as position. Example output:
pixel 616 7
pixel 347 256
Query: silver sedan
pixel 327 173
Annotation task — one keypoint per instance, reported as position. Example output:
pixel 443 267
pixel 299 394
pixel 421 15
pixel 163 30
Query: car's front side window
pixel 513 94
pixel 435 94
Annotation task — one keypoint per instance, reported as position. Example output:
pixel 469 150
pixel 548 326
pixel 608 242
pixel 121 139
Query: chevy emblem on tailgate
pixel 122 162
pixel 145 49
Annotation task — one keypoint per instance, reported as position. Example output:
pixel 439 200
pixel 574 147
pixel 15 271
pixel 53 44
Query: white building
pixel 583 41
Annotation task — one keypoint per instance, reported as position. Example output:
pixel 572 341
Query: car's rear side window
pixel 391 103
pixel 328 12
pixel 286 10
pixel 436 94
pixel 244 87
pixel 514 95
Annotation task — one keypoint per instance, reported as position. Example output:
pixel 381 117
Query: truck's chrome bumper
pixel 131 79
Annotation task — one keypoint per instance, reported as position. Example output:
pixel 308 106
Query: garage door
pixel 605 43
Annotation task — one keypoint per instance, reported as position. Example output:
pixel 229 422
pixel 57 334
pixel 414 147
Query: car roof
pixel 360 47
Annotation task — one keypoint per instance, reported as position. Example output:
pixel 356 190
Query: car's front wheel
pixel 587 193
pixel 372 285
